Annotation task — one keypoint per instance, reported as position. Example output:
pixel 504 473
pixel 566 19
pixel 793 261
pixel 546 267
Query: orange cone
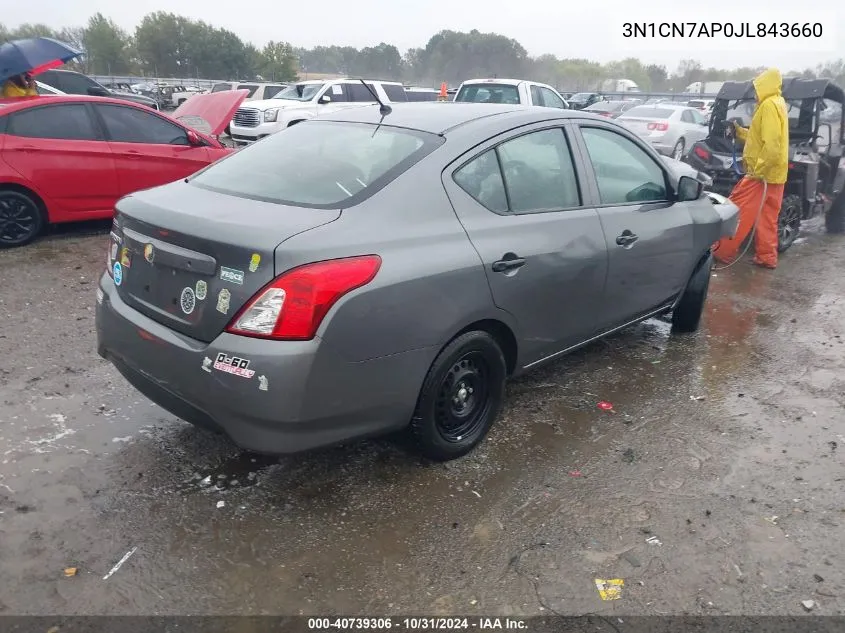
pixel 444 94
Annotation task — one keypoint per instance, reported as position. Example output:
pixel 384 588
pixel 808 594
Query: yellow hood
pixel 768 84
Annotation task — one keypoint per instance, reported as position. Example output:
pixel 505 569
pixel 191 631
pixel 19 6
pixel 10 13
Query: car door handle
pixel 626 239
pixel 509 263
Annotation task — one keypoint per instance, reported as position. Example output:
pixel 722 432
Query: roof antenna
pixel 385 109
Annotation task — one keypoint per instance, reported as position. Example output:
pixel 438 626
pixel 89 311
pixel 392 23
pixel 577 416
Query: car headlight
pixel 271 115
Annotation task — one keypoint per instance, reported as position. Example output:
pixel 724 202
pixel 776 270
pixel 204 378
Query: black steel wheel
pixel 789 222
pixel 460 398
pixel 21 219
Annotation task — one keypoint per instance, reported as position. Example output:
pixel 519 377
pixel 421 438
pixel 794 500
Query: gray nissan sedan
pixel 367 272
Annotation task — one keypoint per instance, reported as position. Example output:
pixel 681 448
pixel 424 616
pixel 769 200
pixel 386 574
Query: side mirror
pixel 689 189
pixel 98 91
pixel 194 139
pixel 325 99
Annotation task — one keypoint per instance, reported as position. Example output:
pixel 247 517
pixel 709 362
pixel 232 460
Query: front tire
pixel 834 219
pixel 21 219
pixel 461 397
pixel 687 315
pixel 789 221
pixel 678 150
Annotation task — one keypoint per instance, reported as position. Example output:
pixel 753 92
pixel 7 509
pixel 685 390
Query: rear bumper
pixel 302 394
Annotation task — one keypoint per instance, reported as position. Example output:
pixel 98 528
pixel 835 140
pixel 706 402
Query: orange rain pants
pixel 747 195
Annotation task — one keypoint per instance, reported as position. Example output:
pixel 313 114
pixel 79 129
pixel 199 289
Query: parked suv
pixel 257 89
pixel 305 100
pixel 511 91
pixel 74 83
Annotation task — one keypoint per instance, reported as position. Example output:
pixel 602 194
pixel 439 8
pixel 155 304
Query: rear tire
pixel 687 315
pixel 461 397
pixel 21 218
pixel 789 221
pixel 678 150
pixel 834 220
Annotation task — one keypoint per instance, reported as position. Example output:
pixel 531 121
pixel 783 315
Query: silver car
pixel 671 129
pixel 365 272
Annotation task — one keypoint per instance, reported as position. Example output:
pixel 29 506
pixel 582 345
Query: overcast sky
pixel 576 28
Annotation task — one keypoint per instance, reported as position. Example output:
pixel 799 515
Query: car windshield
pixel 488 93
pixel 649 113
pixel 322 164
pixel 299 92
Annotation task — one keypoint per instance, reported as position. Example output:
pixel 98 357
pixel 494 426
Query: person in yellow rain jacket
pixel 766 159
pixel 22 85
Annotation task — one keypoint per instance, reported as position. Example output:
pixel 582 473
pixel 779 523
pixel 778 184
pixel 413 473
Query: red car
pixel 68 158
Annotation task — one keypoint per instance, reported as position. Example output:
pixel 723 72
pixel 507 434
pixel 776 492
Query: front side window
pixel 624 172
pixel 551 100
pixel 360 93
pixel 271 91
pixel 69 122
pixel 530 173
pixel 322 164
pixel 133 125
pixel 221 87
pixel 536 96
pixel 251 87
pixel 395 93
pixel 76 84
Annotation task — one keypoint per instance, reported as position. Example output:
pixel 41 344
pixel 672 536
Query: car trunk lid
pixel 191 258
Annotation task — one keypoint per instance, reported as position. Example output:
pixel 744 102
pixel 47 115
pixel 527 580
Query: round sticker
pixel 117 273
pixel 188 300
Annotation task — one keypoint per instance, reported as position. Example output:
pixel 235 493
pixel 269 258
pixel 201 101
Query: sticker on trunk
pixel 233 365
pixel 117 274
pixel 113 250
pixel 206 364
pixel 223 300
pixel 201 290
pixel 231 275
pixel 149 253
pixel 187 300
pixel 254 262
pixel 124 257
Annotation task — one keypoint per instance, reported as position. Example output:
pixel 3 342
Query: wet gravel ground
pixel 716 486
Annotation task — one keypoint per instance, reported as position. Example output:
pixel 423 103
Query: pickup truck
pixel 510 91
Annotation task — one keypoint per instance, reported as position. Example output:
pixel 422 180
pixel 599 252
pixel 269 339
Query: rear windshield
pixel 321 164
pixel 417 95
pixel 650 113
pixel 488 93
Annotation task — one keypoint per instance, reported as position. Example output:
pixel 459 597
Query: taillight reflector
pixel 292 307
pixel 662 126
pixel 702 153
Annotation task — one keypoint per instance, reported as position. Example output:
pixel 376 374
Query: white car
pixel 305 100
pixel 510 91
pixel 671 129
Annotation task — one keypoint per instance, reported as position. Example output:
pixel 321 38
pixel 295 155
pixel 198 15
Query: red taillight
pixel 292 307
pixel 662 126
pixel 701 153
pixel 791 165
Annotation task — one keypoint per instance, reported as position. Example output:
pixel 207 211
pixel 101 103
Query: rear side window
pixel 359 92
pixel 321 164
pixel 488 93
pixel 251 87
pixel 395 93
pixel 133 125
pixel 66 122
pixel 221 87
pixel 530 173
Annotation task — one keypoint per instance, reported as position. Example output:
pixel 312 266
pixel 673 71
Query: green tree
pixel 279 62
pixel 106 47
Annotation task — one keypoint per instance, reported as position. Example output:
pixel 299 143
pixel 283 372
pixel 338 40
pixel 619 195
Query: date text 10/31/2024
pixel 751 30
pixel 416 624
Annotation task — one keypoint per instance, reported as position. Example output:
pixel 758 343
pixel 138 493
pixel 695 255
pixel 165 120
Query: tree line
pixel 169 45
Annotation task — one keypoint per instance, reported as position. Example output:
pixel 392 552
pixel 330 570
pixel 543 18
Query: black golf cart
pixel 816 173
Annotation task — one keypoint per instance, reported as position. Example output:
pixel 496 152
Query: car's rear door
pixel 148 149
pixel 649 237
pixel 519 199
pixel 60 149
